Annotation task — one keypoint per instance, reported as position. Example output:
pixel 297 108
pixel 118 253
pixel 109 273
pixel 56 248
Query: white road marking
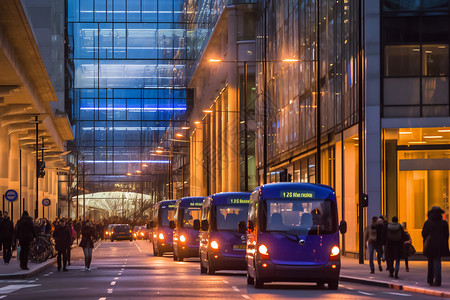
pixel 235 288
pixel 246 297
pixel 122 269
pixel 137 247
pixel 398 294
pixel 366 293
pixel 15 287
pixel 113 283
pixel 97 246
pixel 116 278
pixel 103 298
pixel 110 291
pixel 225 282
pixel 1 297
pixel 119 274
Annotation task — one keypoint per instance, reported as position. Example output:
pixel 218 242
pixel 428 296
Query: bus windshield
pixel 188 216
pixel 165 216
pixel 228 216
pixel 300 216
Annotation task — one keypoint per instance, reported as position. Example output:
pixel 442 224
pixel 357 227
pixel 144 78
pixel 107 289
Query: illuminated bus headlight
pixel 182 238
pixel 161 236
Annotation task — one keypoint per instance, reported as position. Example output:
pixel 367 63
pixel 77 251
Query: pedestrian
pixel 63 239
pixel 408 248
pixel 395 236
pixel 6 236
pixel 372 239
pixel 87 242
pixel 73 235
pixel 435 235
pixel 26 233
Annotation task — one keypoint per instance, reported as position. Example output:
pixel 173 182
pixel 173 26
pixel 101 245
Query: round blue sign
pixel 46 202
pixel 11 195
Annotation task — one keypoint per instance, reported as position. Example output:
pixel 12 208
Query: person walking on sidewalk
pixel 395 236
pixel 26 233
pixel 435 235
pixel 87 242
pixel 408 248
pixel 6 236
pixel 73 235
pixel 63 239
pixel 372 238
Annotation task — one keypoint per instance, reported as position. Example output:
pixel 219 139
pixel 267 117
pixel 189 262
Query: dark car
pixel 121 232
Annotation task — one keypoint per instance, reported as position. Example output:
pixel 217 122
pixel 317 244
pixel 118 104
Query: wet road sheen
pixel 128 270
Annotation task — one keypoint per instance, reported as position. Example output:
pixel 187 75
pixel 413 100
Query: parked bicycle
pixel 42 248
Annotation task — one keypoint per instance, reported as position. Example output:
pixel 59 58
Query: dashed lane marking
pixel 97 246
pixel 103 298
pixel 235 288
pixel 137 247
pixel 110 291
pixel 116 278
pixel 15 287
pixel 113 283
pixel 398 294
pixel 122 269
pixel 1 297
pixel 246 296
pixel 366 293
pixel 119 274
pixel 226 282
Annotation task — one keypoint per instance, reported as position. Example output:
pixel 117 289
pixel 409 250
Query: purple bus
pixel 222 242
pixel 186 226
pixel 293 235
pixel 163 213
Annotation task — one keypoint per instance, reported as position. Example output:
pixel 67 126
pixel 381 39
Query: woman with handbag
pixel 87 242
pixel 435 235
pixel 408 248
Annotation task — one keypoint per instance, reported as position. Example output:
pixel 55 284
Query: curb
pixel 395 286
pixel 31 272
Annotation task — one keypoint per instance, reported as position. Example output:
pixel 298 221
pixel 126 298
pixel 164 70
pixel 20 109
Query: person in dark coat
pixel 6 236
pixel 395 237
pixel 26 233
pixel 63 240
pixel 87 242
pixel 372 239
pixel 435 235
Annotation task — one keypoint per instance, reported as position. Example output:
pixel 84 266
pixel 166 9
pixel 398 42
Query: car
pixel 109 230
pixel 121 232
pixel 140 233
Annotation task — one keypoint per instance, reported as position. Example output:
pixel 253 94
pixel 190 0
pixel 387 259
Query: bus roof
pixel 186 201
pixel 274 190
pixel 223 198
pixel 165 203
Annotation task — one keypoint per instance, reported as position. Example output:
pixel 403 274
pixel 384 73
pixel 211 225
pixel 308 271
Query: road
pixel 128 270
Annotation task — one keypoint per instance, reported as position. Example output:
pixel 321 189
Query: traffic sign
pixel 11 195
pixel 46 202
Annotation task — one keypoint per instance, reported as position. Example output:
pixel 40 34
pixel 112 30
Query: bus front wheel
pixel 257 282
pixel 250 279
pixel 202 268
pixel 333 285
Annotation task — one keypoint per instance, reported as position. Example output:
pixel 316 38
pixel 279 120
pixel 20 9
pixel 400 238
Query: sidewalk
pixel 12 270
pixel 414 281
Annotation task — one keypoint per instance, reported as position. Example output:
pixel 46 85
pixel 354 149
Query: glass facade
pixel 127 70
pixel 415 37
pixel 324 36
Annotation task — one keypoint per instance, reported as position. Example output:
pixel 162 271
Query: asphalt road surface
pixel 128 270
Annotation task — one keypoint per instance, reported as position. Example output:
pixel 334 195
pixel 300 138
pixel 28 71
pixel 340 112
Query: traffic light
pixel 41 167
pixel 364 200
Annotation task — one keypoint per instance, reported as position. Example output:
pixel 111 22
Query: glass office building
pixel 126 82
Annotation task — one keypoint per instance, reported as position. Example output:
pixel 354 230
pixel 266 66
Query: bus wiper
pixel 289 235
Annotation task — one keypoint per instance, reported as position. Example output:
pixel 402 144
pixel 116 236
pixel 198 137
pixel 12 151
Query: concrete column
pixel 373 161
pixel 224 117
pixel 233 105
pixel 30 199
pixel 212 151
pixel 4 159
pixel 196 165
pixel 13 169
pixel 218 145
pixel 25 176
